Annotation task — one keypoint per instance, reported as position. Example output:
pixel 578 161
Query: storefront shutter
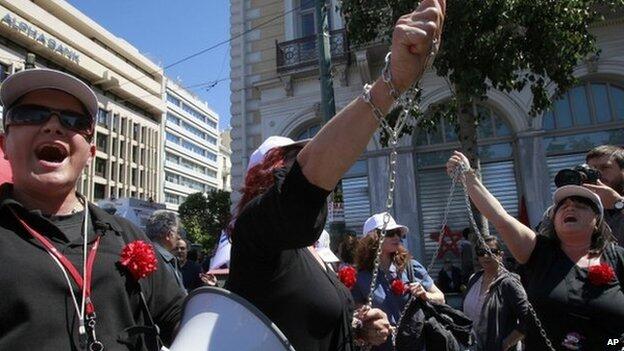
pixel 557 163
pixel 433 191
pixel 356 202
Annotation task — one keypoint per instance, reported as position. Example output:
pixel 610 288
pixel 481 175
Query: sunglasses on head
pixel 483 252
pixel 80 123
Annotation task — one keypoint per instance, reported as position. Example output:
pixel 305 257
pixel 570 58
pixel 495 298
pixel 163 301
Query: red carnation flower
pixel 398 287
pixel 348 276
pixel 139 258
pixel 601 274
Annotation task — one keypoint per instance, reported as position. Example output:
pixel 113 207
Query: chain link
pixel 460 176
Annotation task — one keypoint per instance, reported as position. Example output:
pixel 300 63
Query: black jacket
pixel 505 308
pixel 37 312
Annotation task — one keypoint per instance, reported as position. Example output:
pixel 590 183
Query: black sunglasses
pixel 394 232
pixel 483 252
pixel 80 123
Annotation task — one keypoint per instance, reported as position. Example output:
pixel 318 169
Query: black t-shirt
pixel 572 310
pixel 71 225
pixel 190 275
pixel 37 311
pixel 272 268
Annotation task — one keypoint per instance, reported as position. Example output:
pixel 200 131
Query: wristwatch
pixel 619 204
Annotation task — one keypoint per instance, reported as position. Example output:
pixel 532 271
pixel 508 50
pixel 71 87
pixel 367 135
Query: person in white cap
pixel 62 284
pixel 573 271
pixel 322 248
pixel 396 267
pixel 283 206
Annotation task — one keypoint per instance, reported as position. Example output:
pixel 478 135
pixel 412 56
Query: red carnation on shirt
pixel 139 258
pixel 398 287
pixel 601 274
pixel 348 276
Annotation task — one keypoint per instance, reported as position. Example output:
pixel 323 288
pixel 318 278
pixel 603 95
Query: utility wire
pixel 212 47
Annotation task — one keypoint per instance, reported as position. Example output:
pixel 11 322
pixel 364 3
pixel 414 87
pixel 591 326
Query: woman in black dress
pixel 283 208
pixel 572 270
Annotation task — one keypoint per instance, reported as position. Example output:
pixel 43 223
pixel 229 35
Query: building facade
pixel 192 146
pixel 155 140
pixel 275 91
pixel 128 86
pixel 225 162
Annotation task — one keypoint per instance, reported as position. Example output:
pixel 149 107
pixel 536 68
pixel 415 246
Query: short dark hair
pixel 613 151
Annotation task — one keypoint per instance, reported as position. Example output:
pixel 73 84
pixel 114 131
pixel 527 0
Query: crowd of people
pixel 77 277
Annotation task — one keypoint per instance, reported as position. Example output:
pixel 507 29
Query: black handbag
pixel 433 325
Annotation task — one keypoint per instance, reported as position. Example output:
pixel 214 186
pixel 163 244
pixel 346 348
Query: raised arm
pixel 519 238
pixel 343 139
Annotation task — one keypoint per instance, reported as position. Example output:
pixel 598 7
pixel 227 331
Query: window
pixel 122 179
pixel 587 104
pixel 143 132
pixel 173 198
pixel 115 122
pixel 491 125
pixel 101 142
pixel 99 191
pixel 102 117
pixel 114 151
pixel 135 131
pixel 4 72
pixel 174 100
pixel 134 178
pixel 135 154
pixel 122 149
pixel 100 167
pixel 123 126
pixel 308 132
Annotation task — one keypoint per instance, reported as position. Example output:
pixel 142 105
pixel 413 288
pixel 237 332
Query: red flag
pixel 523 214
pixel 5 170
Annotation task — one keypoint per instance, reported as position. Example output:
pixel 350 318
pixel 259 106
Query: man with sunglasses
pixel 63 287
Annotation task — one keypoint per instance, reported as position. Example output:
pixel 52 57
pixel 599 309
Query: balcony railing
pixel 303 52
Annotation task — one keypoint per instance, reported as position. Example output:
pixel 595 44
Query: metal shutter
pixel 557 163
pixel 356 202
pixel 433 191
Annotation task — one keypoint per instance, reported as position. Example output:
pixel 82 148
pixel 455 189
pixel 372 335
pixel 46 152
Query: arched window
pixel 432 150
pixel 588 115
pixel 308 132
pixel 587 104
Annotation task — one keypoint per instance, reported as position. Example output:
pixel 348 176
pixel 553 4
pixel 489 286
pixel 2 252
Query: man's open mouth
pixel 53 153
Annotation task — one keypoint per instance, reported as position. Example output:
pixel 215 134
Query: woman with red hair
pixel 283 208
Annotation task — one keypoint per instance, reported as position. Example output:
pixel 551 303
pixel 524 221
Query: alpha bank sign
pixel 39 36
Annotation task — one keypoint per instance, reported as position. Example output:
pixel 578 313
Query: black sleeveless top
pixel 575 313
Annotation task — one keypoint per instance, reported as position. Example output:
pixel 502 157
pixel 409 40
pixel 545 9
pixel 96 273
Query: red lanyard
pixel 89 309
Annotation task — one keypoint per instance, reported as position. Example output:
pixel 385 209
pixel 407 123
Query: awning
pixel 5 170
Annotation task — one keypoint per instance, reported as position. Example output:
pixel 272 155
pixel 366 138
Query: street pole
pixel 328 110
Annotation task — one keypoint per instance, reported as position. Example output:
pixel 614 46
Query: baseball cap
pixel 323 250
pixel 567 191
pixel 18 84
pixel 270 143
pixel 376 221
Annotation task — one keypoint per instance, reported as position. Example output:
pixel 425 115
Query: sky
pixel 166 31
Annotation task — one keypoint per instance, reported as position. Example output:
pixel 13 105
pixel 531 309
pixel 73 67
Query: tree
pixel 204 216
pixel 509 45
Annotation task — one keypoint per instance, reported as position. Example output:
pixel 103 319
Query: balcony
pixel 303 52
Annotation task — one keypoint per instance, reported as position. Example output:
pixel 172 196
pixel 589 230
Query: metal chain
pixel 460 176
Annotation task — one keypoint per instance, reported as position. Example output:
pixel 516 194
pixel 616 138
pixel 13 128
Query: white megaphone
pixel 218 320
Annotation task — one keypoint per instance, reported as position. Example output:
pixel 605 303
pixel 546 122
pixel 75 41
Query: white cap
pixel 323 250
pixel 376 221
pixel 566 191
pixel 18 84
pixel 270 143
